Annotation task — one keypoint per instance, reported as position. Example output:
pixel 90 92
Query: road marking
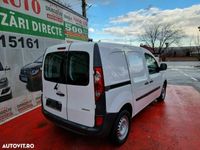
pixel 173 69
pixel 181 67
pixel 194 79
pixel 185 74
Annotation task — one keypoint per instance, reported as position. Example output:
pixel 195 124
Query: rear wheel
pixel 163 93
pixel 121 128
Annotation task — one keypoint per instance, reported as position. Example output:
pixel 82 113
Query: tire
pixel 121 128
pixel 163 93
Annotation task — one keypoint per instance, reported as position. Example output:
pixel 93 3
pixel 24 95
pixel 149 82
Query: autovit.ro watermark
pixel 17 146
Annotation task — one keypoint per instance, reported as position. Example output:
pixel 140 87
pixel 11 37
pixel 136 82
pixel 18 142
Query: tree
pixel 161 36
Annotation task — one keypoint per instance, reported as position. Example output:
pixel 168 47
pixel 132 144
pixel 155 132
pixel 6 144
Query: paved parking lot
pixel 173 124
pixel 184 73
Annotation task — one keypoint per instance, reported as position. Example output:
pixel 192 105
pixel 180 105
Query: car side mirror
pixel 7 68
pixel 163 66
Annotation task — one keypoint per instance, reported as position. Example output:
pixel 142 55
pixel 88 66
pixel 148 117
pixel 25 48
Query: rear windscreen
pixel 67 67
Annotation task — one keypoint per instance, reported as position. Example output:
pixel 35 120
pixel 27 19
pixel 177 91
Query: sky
pixel 122 21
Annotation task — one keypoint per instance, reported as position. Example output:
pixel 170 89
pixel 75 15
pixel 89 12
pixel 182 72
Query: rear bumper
pixel 102 131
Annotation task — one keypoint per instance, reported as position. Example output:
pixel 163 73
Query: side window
pixel 137 67
pixel 151 64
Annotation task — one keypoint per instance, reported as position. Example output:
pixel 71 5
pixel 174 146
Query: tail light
pixel 98 82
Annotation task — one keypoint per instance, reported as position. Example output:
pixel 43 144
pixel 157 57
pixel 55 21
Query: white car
pixel 96 88
pixel 5 90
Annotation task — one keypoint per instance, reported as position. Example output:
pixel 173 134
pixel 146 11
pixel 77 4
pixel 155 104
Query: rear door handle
pixel 146 83
pixel 60 94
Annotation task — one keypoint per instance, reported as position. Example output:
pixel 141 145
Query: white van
pixel 96 88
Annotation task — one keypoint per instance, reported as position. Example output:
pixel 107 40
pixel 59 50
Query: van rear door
pixel 68 84
pixel 54 83
pixel 80 87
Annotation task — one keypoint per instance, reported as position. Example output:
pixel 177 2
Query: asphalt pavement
pixel 184 73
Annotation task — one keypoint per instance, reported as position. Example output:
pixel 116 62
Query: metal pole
pixel 84 4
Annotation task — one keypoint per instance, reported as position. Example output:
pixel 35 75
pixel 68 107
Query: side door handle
pixel 150 81
pixel 146 83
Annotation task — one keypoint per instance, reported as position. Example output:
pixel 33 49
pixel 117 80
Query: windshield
pixel 1 67
pixel 67 67
pixel 39 60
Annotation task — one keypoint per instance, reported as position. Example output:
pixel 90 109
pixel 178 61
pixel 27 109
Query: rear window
pixel 67 67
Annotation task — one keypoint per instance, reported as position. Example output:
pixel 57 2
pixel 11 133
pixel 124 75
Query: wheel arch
pixel 127 107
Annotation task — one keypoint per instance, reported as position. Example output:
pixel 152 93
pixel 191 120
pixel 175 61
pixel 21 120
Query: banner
pixel 27 28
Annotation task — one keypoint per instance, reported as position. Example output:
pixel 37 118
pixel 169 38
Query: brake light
pixel 98 82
